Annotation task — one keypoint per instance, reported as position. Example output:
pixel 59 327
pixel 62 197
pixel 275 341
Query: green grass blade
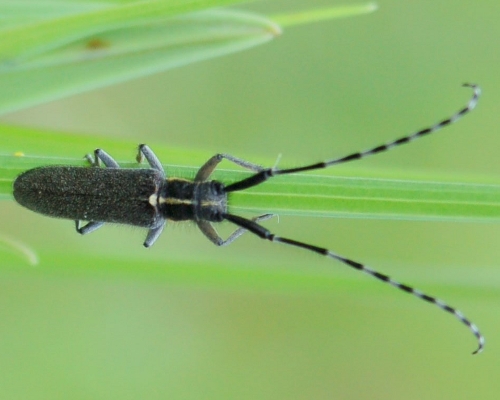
pixel 323 14
pixel 36 38
pixel 301 194
pixel 95 44
pixel 17 12
pixel 124 52
pixel 374 198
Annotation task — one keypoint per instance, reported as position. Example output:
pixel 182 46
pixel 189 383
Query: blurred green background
pixel 185 319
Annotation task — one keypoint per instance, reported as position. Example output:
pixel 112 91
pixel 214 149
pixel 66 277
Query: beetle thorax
pixel 183 200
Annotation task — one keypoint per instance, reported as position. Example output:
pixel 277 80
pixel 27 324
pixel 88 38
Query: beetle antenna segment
pixel 264 233
pixel 268 173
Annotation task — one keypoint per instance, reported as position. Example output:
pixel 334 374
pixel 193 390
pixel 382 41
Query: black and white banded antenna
pixel 264 233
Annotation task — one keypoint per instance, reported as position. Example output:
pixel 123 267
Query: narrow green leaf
pixel 18 42
pixel 125 52
pixel 301 194
pixel 95 44
pixel 17 12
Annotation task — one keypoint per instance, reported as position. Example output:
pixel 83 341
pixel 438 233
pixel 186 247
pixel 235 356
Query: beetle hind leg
pixel 153 234
pixel 88 228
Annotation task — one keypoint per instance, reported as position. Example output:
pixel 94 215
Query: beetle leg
pixel 90 227
pixel 153 234
pixel 209 231
pixel 206 169
pixel 101 156
pixel 147 153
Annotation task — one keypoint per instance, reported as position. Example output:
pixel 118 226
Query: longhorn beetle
pixel 147 198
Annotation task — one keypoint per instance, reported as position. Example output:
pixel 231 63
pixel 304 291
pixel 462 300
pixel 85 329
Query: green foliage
pixel 93 45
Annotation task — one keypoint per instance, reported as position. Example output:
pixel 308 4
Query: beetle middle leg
pixel 101 156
